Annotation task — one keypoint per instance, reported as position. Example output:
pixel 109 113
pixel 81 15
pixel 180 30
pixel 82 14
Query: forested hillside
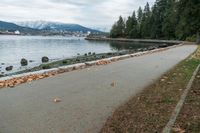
pixel 166 19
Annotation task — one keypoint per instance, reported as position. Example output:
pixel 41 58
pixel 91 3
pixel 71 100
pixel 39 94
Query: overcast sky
pixel 91 13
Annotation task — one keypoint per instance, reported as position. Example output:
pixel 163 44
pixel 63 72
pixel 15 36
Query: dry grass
pixel 197 54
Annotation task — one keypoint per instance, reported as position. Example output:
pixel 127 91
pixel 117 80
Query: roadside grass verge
pixel 150 110
pixel 188 120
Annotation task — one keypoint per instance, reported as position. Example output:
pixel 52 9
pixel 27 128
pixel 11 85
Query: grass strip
pixel 188 120
pixel 150 110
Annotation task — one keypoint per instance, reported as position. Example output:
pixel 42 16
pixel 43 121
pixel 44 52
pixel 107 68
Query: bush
pixel 78 60
pixel 24 62
pixel 191 38
pixel 65 62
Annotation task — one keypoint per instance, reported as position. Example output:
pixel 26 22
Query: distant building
pixel 17 32
pixel 88 33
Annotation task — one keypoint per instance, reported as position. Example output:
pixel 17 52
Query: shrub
pixel 191 38
pixel 65 62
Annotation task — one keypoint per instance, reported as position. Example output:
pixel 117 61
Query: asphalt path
pixel 88 96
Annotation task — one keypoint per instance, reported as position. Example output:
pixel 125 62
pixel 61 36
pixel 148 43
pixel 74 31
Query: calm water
pixel 14 48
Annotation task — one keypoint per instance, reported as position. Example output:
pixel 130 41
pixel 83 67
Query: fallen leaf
pixel 178 130
pixel 162 80
pixel 57 100
pixel 113 84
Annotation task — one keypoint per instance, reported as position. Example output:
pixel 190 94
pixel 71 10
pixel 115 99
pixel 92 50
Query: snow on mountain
pixel 55 26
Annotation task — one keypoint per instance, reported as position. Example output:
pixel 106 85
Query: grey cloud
pixel 91 13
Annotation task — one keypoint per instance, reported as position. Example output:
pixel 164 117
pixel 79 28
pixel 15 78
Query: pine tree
pixel 132 26
pixel 189 20
pixel 145 24
pixel 170 20
pixel 118 29
pixel 139 20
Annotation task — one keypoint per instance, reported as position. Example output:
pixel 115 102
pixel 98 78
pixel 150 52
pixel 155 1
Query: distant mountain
pixel 7 26
pixel 55 26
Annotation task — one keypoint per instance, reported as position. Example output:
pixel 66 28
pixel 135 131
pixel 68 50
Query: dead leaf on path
pixel 162 80
pixel 169 82
pixel 57 100
pixel 113 84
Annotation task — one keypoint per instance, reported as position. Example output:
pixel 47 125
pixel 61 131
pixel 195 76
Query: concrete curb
pixel 179 105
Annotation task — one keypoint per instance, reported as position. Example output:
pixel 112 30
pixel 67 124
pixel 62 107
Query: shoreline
pixel 133 40
pixel 14 80
pixel 84 58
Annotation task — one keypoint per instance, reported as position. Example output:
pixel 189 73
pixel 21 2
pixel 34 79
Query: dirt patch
pixel 149 111
pixel 188 120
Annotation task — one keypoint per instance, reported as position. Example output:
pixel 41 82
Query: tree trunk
pixel 198 38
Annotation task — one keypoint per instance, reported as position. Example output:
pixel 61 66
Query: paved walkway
pixel 87 95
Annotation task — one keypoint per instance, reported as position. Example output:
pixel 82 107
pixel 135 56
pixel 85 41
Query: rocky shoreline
pixel 77 59
pixel 39 72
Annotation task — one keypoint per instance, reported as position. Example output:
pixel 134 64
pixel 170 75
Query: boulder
pixel 9 68
pixel 24 62
pixel 45 59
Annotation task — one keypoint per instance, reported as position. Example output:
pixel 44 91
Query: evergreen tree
pixel 168 19
pixel 189 20
pixel 139 16
pixel 113 32
pixel 139 20
pixel 145 24
pixel 118 29
pixel 132 26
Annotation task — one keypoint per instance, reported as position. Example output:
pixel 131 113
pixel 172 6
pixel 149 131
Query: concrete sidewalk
pixel 87 95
